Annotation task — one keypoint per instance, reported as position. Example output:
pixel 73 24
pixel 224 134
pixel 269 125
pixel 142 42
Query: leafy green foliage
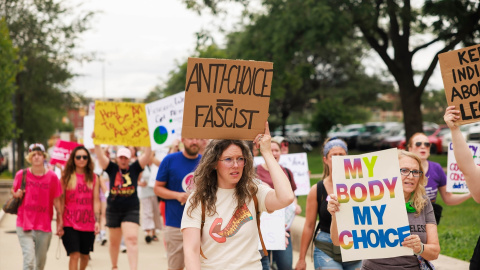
pixel 9 67
pixel 177 78
pixel 46 33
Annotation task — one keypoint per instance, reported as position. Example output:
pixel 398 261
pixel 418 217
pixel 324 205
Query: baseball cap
pixel 124 152
pixel 36 147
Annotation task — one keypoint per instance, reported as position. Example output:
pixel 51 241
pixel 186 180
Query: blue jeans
pixel 34 246
pixel 323 261
pixel 282 258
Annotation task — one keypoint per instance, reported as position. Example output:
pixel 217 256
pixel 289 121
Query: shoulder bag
pixel 11 206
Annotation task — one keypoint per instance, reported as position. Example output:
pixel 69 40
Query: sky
pixel 140 43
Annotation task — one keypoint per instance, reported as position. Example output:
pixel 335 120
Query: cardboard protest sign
pixel 298 164
pixel 164 119
pixel 455 179
pixel 226 99
pixel 461 78
pixel 273 230
pixel 121 123
pixel 372 221
pixel 61 152
pixel 88 126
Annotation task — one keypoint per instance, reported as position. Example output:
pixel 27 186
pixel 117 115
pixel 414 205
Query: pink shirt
pixel 78 212
pixel 36 210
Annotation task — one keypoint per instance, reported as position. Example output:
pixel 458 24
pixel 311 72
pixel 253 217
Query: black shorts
pixel 77 241
pixel 116 216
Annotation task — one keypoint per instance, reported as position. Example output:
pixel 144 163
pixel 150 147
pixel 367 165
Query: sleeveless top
pixel 322 212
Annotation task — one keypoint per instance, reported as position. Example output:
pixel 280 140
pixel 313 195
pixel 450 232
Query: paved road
pixel 151 256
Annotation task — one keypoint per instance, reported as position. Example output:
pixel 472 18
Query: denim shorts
pixel 323 261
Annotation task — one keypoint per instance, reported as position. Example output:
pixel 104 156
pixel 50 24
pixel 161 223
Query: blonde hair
pixel 28 158
pixel 418 199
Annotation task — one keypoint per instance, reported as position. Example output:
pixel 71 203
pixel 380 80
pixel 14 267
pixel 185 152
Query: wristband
pixel 421 250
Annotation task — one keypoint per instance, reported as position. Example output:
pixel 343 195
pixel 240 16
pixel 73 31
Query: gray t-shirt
pixel 418 227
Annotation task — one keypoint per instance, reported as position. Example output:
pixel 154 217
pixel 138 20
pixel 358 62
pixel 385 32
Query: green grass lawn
pixel 459 228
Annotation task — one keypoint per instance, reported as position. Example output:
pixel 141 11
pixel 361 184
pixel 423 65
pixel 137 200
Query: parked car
pixel 393 140
pixel 436 139
pixel 384 140
pixel 465 130
pixel 367 134
pixel 350 134
pixel 298 133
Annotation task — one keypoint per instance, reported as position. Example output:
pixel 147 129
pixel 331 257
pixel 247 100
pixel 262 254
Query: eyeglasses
pixel 85 157
pixel 229 162
pixel 427 144
pixel 406 172
pixel 285 143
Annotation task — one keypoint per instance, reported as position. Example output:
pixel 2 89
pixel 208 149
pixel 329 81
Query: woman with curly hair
pixel 225 186
pixel 423 238
pixel 81 205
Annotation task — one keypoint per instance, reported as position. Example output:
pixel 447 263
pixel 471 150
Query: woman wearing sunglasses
pixel 436 178
pixel 423 238
pixel 226 188
pixel 81 204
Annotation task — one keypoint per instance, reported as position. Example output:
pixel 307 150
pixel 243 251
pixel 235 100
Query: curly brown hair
pixel 205 177
pixel 70 169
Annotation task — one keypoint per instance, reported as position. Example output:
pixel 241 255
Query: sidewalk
pixel 151 256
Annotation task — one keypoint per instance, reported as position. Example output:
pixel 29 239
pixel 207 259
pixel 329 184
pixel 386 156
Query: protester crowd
pixel 191 193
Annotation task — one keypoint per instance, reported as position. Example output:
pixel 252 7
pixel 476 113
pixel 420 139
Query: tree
pixel 46 32
pixel 396 31
pixel 9 67
pixel 316 57
pixel 177 78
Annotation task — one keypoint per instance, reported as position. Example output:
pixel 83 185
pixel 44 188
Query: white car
pixel 470 132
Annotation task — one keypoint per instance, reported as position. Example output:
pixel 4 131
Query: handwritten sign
pixel 226 99
pixel 298 164
pixel 461 75
pixel 88 127
pixel 372 222
pixel 273 230
pixel 61 152
pixel 121 123
pixel 165 117
pixel 455 179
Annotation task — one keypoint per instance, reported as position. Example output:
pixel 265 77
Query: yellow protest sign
pixel 121 123
pixel 461 79
pixel 226 99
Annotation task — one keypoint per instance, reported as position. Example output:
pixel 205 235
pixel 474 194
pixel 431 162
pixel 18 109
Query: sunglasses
pixel 427 144
pixel 85 157
pixel 284 143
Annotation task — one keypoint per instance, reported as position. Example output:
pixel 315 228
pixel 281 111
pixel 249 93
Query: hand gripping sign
pixel 226 99
pixel 372 221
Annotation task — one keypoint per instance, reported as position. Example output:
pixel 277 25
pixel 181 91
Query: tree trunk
pixel 411 107
pixel 19 124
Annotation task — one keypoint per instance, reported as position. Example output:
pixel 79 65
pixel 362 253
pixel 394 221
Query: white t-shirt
pixel 229 240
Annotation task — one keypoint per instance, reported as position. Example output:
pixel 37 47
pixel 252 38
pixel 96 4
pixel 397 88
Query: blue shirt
pixel 176 170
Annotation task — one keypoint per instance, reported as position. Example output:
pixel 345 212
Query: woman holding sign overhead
pixel 326 255
pixel 423 238
pixel 220 218
pixel 465 162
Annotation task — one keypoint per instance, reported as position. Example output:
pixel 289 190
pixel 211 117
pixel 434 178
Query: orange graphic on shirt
pixel 239 218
